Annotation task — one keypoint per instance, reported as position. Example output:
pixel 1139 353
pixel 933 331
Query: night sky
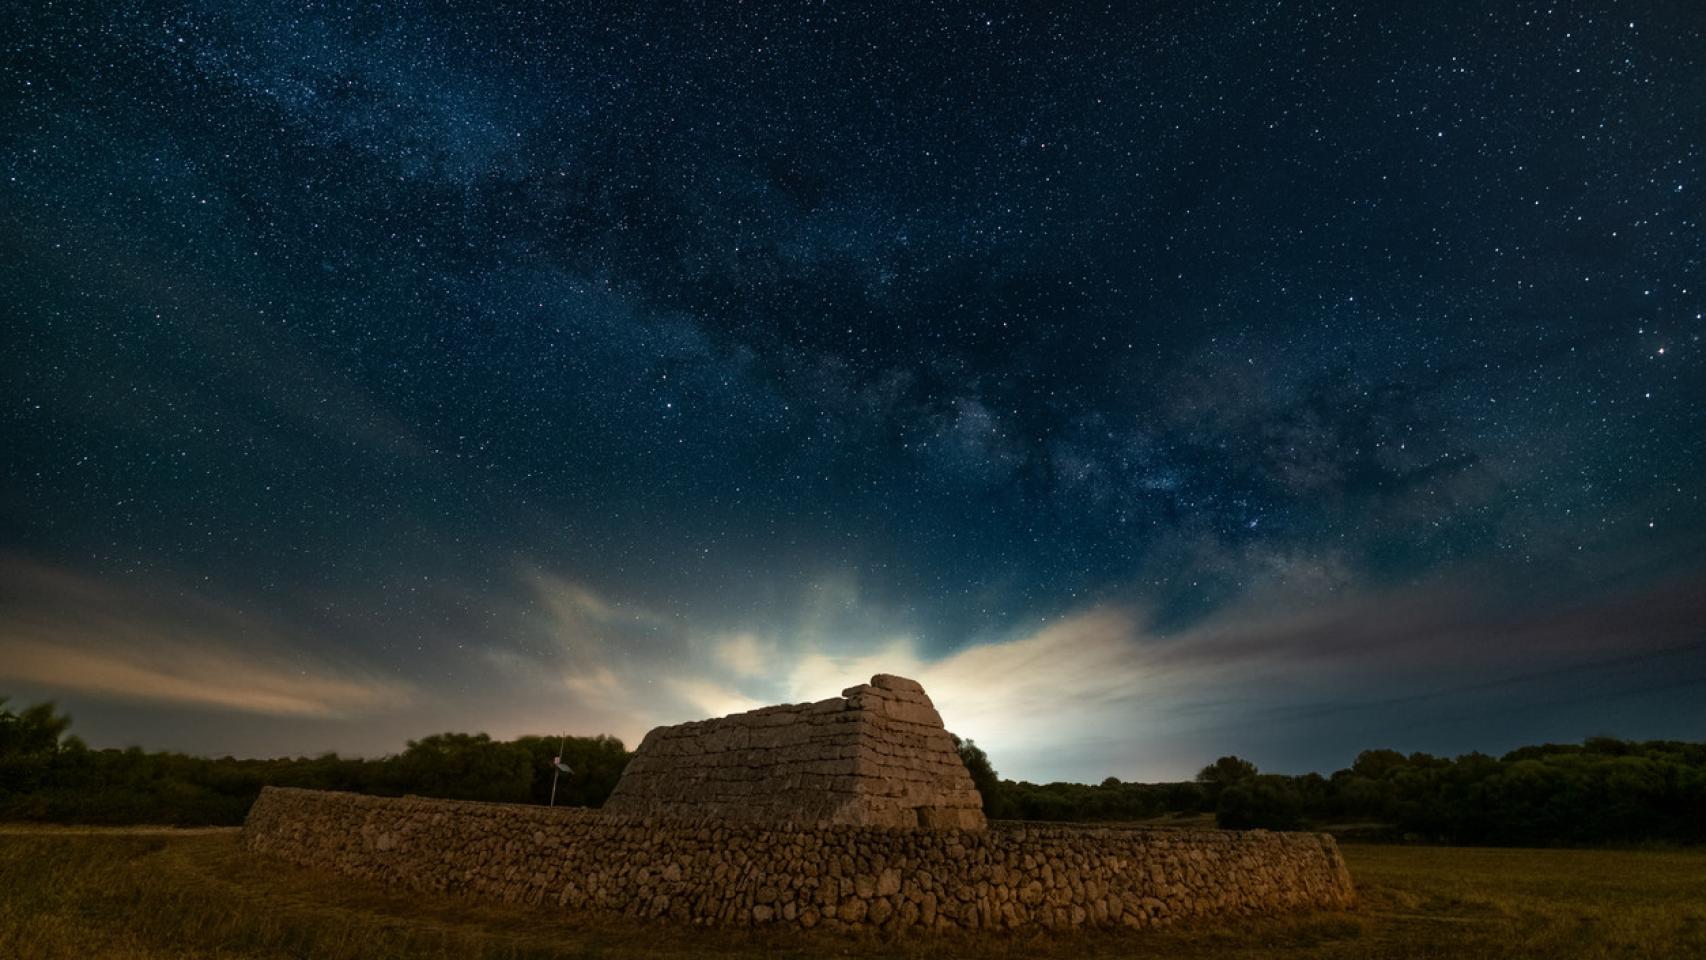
pixel 1152 382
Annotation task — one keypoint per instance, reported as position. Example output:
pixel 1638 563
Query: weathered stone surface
pixel 714 871
pixel 875 756
pixel 890 682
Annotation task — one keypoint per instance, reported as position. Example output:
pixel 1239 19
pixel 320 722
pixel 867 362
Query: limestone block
pixel 877 756
pixel 888 883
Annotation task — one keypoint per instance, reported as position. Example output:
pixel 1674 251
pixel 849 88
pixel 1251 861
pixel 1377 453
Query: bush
pixel 1266 802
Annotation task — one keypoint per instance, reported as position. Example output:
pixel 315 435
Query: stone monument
pixel 875 756
pixel 853 813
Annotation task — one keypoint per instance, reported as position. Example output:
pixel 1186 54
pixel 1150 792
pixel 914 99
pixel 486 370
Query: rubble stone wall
pixel 877 756
pixel 1009 876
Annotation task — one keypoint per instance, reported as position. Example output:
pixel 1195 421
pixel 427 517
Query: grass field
pixel 86 894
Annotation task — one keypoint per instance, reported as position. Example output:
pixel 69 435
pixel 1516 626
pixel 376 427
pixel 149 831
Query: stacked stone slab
pixel 875 756
pixel 1007 877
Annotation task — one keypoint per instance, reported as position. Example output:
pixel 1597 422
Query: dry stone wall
pixel 713 871
pixel 877 755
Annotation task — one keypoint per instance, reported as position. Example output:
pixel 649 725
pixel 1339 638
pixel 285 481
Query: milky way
pixel 1153 382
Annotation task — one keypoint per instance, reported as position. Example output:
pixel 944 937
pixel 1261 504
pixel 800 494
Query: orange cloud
pixel 66 631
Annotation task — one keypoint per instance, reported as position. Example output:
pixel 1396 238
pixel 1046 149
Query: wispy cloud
pixel 711 698
pixel 61 630
pixel 194 676
pixel 1096 691
pixel 745 654
pixel 628 668
pixel 1102 690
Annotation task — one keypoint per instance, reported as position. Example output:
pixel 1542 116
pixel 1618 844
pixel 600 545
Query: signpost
pixel 558 768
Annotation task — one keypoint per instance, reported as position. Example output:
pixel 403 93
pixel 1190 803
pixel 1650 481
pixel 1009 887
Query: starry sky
pixel 1152 381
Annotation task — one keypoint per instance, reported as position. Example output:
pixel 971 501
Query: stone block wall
pixel 877 755
pixel 1006 877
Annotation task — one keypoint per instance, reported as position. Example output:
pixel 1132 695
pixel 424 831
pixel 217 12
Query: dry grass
pixel 151 896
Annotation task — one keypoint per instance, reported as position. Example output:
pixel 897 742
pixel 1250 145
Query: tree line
pixel 48 776
pixel 1602 791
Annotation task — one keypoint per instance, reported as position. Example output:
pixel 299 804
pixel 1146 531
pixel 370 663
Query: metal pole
pixel 557 768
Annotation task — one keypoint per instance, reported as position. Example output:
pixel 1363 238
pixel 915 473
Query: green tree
pixel 1378 764
pixel 462 766
pixel 984 777
pixel 1268 802
pixel 35 731
pixel 1222 773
